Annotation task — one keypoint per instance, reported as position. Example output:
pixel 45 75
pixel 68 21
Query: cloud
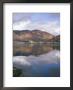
pixel 21 25
pixel 50 27
pixel 22 61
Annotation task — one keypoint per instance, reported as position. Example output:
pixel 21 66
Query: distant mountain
pixel 34 35
pixel 56 39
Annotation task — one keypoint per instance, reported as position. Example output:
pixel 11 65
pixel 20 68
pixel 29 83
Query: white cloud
pixel 51 26
pixel 22 61
pixel 21 25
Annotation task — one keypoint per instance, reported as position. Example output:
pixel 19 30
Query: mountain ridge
pixel 34 35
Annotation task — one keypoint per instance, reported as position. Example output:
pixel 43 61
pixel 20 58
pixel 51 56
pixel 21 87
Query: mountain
pixel 34 35
pixel 56 39
pixel 24 35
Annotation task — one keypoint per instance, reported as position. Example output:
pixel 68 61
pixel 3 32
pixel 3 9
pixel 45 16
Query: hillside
pixel 35 35
pixel 56 39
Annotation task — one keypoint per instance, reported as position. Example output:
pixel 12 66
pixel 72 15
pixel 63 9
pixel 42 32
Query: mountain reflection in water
pixel 37 60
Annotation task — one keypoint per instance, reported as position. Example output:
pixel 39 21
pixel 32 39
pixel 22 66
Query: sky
pixel 49 22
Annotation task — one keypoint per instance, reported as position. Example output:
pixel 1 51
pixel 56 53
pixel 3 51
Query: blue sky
pixel 44 21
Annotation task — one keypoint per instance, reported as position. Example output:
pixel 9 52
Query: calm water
pixel 37 60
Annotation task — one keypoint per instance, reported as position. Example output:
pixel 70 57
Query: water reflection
pixel 26 49
pixel 37 60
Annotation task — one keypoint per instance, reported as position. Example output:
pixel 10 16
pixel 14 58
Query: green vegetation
pixel 16 72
